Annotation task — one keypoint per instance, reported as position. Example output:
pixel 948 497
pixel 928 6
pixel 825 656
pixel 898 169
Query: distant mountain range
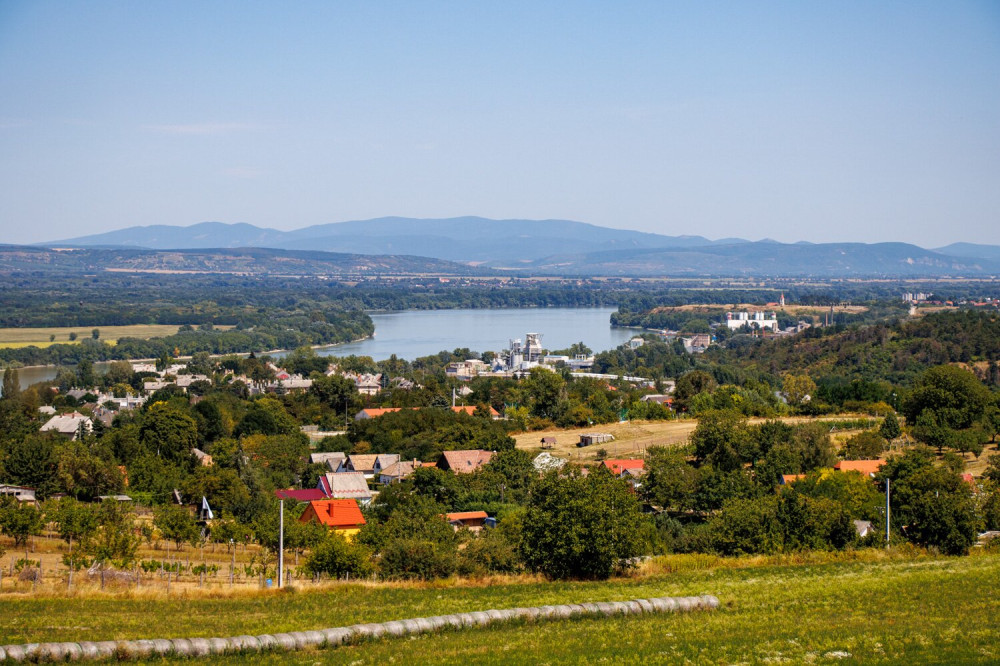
pixel 562 247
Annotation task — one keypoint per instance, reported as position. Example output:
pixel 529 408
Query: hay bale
pixel 106 649
pixel 494 615
pixel 219 645
pixel 424 625
pixel 645 606
pixel 267 642
pixel 336 636
pixel 140 648
pixel 453 620
pixel 14 653
pixel 284 641
pixel 71 651
pixel 162 646
pixel 182 647
pixel 394 628
pixel 199 647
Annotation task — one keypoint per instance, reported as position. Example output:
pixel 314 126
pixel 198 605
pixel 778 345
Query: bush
pixel 336 556
pixel 417 559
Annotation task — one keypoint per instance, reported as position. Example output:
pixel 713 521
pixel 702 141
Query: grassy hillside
pixel 861 607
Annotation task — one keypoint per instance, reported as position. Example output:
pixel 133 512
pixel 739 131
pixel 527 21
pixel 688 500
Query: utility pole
pixel 281 543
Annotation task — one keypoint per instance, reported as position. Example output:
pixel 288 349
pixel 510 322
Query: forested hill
pixel 881 352
pixel 244 261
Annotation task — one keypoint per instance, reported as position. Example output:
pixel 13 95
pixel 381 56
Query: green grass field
pixel 916 611
pixel 40 337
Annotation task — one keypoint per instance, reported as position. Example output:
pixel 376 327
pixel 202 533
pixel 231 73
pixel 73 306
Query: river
pixel 414 333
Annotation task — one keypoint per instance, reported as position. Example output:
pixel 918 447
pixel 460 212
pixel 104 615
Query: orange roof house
pixel 473 520
pixel 471 410
pixel 621 465
pixel 788 479
pixel 341 515
pixel 374 412
pixel 866 467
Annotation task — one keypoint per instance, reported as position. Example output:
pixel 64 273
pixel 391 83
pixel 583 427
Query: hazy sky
pixel 819 121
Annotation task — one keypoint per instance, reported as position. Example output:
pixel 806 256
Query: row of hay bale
pixel 296 640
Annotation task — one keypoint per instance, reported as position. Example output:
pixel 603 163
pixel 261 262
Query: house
pixel 374 412
pixel 548 442
pixel 290 384
pixel 369 464
pixel 595 438
pixel 154 386
pixel 696 344
pixel 331 459
pixel 867 467
pixel 301 494
pixel 659 398
pixel 68 425
pixel 204 459
pixel 345 485
pixel 340 515
pixel 47 410
pixel 545 462
pixel 619 466
pixel 368 384
pixel 788 479
pixel 463 462
pixel 396 472
pixel 636 342
pixel 184 381
pixel 22 494
pixel 471 411
pixel 474 521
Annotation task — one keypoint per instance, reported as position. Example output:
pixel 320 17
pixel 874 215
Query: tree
pixel 718 438
pixel 866 445
pixel 798 389
pixel 72 336
pixel 934 504
pixel 336 556
pixel 175 523
pixel 74 521
pixel 168 431
pixel 96 333
pixel 116 540
pixel 266 416
pixel 581 527
pixel 670 481
pixel 11 385
pixel 947 399
pixel 890 427
pixel 691 384
pixel 20 522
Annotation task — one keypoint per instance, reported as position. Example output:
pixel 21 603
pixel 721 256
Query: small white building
pixel 758 320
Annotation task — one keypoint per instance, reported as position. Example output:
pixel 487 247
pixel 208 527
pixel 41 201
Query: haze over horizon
pixel 822 123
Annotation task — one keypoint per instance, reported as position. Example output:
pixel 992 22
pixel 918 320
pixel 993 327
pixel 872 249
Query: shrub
pixel 336 556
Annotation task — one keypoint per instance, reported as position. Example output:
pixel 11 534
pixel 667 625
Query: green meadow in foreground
pixel 923 610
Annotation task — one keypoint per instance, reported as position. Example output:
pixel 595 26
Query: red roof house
pixel 621 465
pixel 342 515
pixel 866 467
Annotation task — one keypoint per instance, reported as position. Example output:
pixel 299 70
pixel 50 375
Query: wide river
pixel 414 333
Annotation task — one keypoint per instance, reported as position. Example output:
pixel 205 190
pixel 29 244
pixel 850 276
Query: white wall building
pixel 735 320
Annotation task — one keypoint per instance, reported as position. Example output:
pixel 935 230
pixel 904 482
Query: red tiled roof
pixel 302 495
pixel 334 513
pixel 471 410
pixel 372 412
pixel 617 466
pixel 867 467
pixel 789 478
pixel 466 515
pixel 464 461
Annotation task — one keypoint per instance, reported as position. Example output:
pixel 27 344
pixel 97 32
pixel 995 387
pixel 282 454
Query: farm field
pixel 632 438
pixel 40 337
pixel 826 609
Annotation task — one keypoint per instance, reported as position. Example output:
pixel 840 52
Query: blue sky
pixel 796 121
